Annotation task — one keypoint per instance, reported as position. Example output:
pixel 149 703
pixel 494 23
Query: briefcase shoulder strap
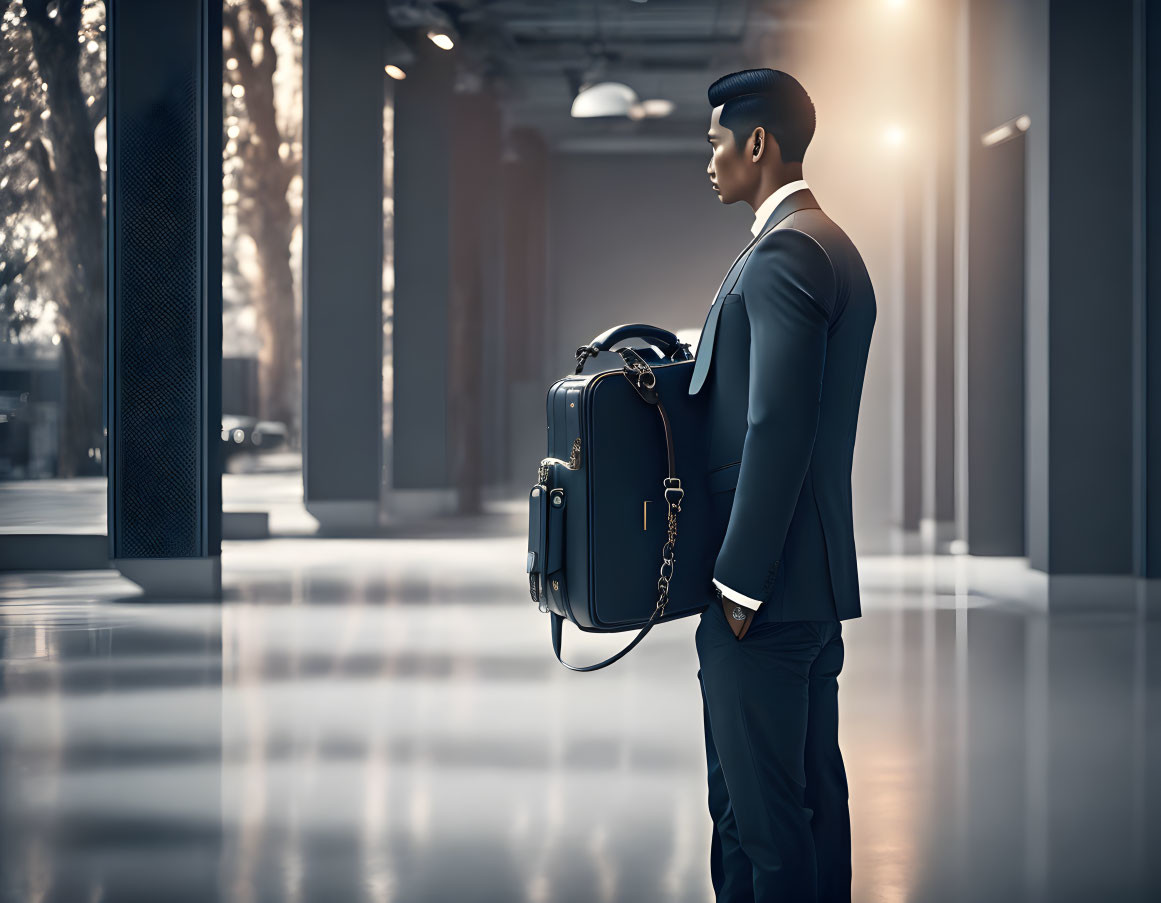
pixel 558 628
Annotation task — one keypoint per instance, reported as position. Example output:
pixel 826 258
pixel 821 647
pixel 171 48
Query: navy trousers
pixel 777 785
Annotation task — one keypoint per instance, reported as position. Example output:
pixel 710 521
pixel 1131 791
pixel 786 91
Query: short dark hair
pixel 769 98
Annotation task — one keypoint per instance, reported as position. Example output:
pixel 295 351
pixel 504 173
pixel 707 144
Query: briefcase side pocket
pixel 537 542
pixel 555 583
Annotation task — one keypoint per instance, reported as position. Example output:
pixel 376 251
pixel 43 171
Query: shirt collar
pixel 767 206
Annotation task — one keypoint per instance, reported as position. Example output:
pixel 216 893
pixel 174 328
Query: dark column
pixel 164 271
pixel 492 339
pixel 420 469
pixel 1081 342
pixel 525 205
pixel 995 343
pixel 342 216
pixel 1147 294
pixel 990 282
pixel 449 330
pixel 475 222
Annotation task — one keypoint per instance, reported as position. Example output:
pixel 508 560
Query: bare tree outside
pixel 53 100
pixel 262 48
pixel 52 197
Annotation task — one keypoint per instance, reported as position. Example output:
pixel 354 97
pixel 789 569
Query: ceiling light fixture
pixel 1006 130
pixel 603 99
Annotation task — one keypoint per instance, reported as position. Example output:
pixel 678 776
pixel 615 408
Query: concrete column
pixel 1081 343
pixel 912 363
pixel 475 353
pixel 164 272
pixel 424 132
pixel 449 328
pixel 927 501
pixel 342 335
pixel 938 216
pixel 990 284
pixel 995 348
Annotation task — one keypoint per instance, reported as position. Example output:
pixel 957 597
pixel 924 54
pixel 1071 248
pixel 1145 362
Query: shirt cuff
pixel 734 596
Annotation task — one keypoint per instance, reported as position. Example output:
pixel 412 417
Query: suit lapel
pixel 793 202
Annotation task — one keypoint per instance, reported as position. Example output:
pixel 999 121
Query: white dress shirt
pixel 767 206
pixel 761 214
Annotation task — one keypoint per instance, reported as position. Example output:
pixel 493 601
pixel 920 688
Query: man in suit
pixel 782 353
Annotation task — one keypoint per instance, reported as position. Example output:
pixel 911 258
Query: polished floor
pixel 383 720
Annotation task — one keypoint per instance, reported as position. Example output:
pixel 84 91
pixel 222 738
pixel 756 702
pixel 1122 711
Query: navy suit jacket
pixel 782 355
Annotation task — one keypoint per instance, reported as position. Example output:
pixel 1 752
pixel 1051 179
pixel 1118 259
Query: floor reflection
pixel 361 721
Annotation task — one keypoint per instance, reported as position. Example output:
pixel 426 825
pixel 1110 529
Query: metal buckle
pixel 635 364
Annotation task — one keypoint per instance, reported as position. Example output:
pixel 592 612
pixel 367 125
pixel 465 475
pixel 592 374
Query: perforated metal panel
pixel 164 280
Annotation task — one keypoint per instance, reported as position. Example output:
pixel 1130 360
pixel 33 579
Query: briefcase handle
pixel 671 347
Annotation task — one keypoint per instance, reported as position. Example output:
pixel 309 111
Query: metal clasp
pixel 635 364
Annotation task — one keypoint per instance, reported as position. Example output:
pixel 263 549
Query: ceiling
pixel 537 53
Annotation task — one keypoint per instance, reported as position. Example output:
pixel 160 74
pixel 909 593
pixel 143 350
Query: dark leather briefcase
pixel 623 522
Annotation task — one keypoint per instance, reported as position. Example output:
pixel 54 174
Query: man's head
pixel 761 122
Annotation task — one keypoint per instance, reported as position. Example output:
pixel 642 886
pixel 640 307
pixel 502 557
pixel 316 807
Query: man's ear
pixel 758 145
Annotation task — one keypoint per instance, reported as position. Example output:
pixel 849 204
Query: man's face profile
pixel 728 167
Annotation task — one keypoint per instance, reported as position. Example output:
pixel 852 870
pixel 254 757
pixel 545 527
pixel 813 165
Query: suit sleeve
pixel 789 292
